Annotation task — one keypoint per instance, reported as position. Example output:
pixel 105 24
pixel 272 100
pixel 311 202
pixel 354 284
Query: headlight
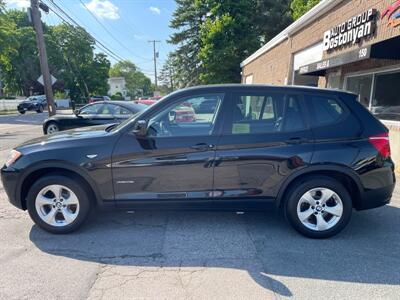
pixel 12 157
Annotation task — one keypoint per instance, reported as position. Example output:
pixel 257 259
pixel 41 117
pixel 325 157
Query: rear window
pixel 325 110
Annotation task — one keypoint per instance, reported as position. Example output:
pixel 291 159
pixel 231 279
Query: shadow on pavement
pixel 367 251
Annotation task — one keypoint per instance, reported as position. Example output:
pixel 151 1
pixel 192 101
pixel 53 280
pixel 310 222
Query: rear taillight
pixel 381 143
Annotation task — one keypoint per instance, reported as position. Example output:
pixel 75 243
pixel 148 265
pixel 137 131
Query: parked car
pixel 148 101
pixel 98 113
pixel 93 99
pixel 33 103
pixel 316 154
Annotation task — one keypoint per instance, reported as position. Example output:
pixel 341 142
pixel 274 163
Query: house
pixel 117 85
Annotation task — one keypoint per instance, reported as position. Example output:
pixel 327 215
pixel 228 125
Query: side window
pixel 269 113
pixel 107 109
pixel 91 109
pixel 325 111
pixel 121 111
pixel 192 116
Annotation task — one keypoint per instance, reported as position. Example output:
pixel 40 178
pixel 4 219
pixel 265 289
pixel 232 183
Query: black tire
pixel 308 183
pixel 40 109
pixel 21 112
pixel 52 124
pixel 76 185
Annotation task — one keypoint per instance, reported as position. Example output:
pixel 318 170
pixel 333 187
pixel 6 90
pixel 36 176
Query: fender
pixel 61 165
pixel 315 168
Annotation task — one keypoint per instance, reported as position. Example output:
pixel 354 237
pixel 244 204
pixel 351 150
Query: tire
pixel 50 214
pixel 40 109
pixel 325 201
pixel 21 112
pixel 52 127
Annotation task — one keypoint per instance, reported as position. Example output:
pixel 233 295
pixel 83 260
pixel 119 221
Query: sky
pixel 127 26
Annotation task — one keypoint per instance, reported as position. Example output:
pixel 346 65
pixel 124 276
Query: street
pixel 192 255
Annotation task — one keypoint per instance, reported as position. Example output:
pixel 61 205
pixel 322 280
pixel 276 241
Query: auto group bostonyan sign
pixel 352 31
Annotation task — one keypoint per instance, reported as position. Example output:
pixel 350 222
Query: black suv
pixel 314 153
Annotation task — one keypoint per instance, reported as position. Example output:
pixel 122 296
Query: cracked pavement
pixel 193 255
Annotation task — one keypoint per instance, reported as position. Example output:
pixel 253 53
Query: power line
pixel 53 7
pixel 109 32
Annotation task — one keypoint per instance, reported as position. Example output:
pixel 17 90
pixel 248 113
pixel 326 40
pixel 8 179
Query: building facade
pixel 342 44
pixel 117 85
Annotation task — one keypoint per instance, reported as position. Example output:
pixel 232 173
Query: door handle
pixel 202 146
pixel 296 140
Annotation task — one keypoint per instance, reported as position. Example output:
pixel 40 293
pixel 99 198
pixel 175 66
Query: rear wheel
pixel 58 204
pixel 40 109
pixel 318 207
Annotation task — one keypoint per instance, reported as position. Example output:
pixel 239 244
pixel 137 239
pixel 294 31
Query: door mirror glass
pixel 76 112
pixel 172 116
pixel 140 128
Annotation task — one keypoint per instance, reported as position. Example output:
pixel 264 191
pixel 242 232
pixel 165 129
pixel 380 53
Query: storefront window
pixel 361 85
pixel 386 100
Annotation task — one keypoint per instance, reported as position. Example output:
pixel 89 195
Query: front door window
pixel 193 116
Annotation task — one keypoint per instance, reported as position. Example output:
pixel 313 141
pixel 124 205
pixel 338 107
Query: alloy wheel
pixel 320 209
pixel 57 205
pixel 52 128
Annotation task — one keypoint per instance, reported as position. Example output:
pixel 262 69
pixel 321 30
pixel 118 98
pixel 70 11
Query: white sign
pixel 351 31
pixel 53 79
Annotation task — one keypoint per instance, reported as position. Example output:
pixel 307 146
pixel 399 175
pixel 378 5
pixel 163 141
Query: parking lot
pixel 192 255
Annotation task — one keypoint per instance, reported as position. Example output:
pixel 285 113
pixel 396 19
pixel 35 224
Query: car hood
pixel 66 136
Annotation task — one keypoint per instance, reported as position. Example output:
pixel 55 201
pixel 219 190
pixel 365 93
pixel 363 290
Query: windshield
pixel 31 98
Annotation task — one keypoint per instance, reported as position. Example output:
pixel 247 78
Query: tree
pixel 214 36
pixel 300 7
pixel 167 75
pixel 70 52
pixel 136 82
pixel 187 20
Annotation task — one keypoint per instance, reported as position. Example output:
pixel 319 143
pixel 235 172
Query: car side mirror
pixel 140 128
pixel 76 112
pixel 171 116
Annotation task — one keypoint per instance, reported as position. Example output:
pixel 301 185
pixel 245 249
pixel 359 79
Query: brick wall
pixel 274 66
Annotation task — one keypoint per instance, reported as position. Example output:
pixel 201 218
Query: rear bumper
pixel 10 178
pixel 376 198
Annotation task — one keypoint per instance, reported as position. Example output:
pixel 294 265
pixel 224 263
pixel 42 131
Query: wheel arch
pixel 46 168
pixel 344 175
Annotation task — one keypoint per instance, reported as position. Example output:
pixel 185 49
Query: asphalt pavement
pixel 192 255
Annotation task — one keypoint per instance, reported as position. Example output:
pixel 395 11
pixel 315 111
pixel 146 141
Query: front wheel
pixel 58 204
pixel 318 207
pixel 21 112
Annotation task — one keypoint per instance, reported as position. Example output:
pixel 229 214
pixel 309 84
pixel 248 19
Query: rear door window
pixel 325 110
pixel 265 113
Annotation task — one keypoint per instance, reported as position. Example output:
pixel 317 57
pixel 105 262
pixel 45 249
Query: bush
pixel 117 96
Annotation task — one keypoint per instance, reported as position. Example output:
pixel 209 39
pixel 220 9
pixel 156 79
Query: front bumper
pixel 10 178
pixel 27 107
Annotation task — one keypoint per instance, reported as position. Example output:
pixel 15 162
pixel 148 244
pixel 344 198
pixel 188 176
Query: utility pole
pixel 44 66
pixel 155 55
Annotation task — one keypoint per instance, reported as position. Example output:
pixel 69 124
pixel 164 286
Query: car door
pixel 265 138
pixel 84 118
pixel 173 161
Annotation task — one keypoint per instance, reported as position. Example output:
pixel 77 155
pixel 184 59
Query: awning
pixel 388 49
